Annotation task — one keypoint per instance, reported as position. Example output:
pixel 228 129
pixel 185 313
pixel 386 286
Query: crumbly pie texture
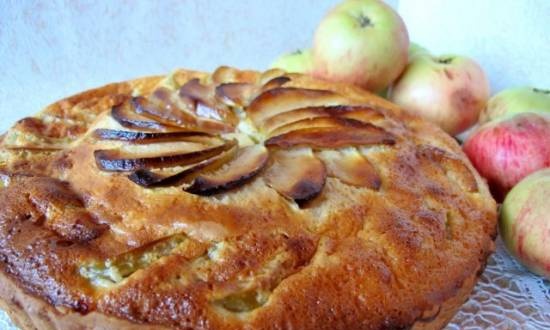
pixel 236 200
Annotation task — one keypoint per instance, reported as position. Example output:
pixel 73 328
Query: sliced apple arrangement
pixel 506 136
pixel 189 137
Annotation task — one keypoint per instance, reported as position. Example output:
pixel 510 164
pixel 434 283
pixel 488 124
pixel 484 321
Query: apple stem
pixel 445 60
pixel 364 21
pixel 297 52
pixel 543 91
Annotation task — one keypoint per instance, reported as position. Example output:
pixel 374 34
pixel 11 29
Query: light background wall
pixel 51 49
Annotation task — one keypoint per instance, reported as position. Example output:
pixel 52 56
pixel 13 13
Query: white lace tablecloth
pixel 506 297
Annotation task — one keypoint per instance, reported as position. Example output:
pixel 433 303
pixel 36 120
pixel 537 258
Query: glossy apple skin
pixel 506 151
pixel 525 222
pixel 415 51
pixel 300 61
pixel 363 42
pixel 449 90
pixel 516 100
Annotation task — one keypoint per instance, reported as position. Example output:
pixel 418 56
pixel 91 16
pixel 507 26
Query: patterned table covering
pixel 506 297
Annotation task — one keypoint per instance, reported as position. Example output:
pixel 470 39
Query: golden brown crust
pixel 406 253
pixel 30 313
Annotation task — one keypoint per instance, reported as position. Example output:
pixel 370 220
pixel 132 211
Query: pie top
pixel 240 200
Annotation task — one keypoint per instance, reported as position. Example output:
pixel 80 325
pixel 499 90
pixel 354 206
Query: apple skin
pixel 516 100
pixel 300 61
pixel 415 51
pixel 525 222
pixel 507 150
pixel 447 90
pixel 362 42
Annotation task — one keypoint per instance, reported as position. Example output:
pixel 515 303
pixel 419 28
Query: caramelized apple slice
pixel 207 106
pixel 282 99
pixel 236 94
pixel 125 115
pixel 148 137
pixel 161 156
pixel 240 94
pixel 350 167
pixel 178 176
pixel 164 95
pixel 269 75
pixel 224 74
pixel 362 113
pixel 297 175
pixel 176 112
pixel 321 122
pixel 189 111
pixel 333 137
pixel 165 112
pixel 246 164
pixel 275 83
pixel 196 91
pixel 453 167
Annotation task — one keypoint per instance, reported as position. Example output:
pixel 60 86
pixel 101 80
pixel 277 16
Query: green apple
pixel 448 90
pixel 516 100
pixel 299 61
pixel 415 50
pixel 525 222
pixel 363 42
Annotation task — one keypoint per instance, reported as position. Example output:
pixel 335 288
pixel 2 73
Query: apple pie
pixel 236 200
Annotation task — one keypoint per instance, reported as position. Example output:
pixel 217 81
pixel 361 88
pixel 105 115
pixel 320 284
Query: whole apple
pixel 448 90
pixel 415 50
pixel 525 222
pixel 507 150
pixel 299 61
pixel 363 42
pixel 516 100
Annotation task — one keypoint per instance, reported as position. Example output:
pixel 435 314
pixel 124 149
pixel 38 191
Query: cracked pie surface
pixel 236 200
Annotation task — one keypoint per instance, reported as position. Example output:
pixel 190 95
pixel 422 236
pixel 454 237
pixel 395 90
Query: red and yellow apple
pixel 525 222
pixel 363 42
pixel 299 61
pixel 516 100
pixel 448 90
pixel 507 150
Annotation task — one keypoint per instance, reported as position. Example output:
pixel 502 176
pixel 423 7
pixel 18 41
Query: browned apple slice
pixel 236 94
pixel 453 167
pixel 282 99
pixel 182 111
pixel 275 83
pixel 125 115
pixel 241 93
pixel 207 106
pixel 362 113
pixel 148 137
pixel 177 176
pixel 321 122
pixel 163 111
pixel 350 167
pixel 224 74
pixel 246 164
pixel 117 160
pixel 297 175
pixel 196 91
pixel 269 75
pixel 333 137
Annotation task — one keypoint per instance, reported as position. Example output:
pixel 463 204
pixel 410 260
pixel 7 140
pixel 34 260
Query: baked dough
pixel 315 206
